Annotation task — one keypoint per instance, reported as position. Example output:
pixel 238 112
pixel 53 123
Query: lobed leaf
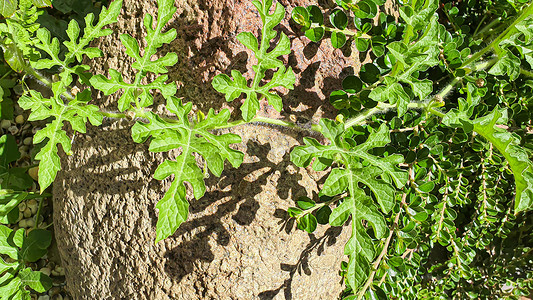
pixel 357 167
pixel 77 112
pixel 266 60
pixel 190 137
pixel 137 92
pixel 76 46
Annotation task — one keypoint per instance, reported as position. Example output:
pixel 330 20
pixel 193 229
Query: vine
pixel 412 129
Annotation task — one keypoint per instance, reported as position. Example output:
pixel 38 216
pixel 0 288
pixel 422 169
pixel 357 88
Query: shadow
pixel 108 154
pixel 241 206
pixel 202 56
pixel 302 266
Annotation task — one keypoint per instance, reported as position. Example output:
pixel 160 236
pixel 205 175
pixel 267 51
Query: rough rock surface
pixel 238 242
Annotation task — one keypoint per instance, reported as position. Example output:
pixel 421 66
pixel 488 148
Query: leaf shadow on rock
pixel 113 181
pixel 316 244
pixel 202 57
pixel 307 61
pixel 234 198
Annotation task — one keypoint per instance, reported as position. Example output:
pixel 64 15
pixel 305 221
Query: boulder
pixel 238 242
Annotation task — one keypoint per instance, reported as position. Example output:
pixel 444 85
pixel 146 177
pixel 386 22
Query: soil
pixel 238 242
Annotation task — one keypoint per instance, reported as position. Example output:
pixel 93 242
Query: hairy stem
pixel 344 31
pixel 494 45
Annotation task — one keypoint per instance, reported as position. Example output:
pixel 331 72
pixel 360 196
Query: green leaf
pixel 360 247
pixel 42 3
pixel 8 151
pixel 338 19
pixel 340 178
pixel 35 245
pixel 6 266
pixel 77 112
pixel 76 46
pixel 338 39
pixel 9 200
pixel 12 288
pixel 507 64
pixel 305 203
pixel 13 56
pixel 7 247
pixel 233 88
pixel 315 14
pixel 507 144
pixel 315 34
pixel 394 93
pixel 301 16
pixel 308 223
pixel 192 138
pixel 8 7
pixel 322 215
pixel 37 281
pixel 358 167
pixel 137 92
pixel 426 187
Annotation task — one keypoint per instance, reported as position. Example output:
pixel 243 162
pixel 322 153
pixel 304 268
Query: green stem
pixel 319 205
pixel 315 128
pixel 381 107
pixel 30 71
pixel 6 74
pixel 526 72
pixel 525 13
pixel 113 115
pixel 479 25
pixel 141 114
pixel 344 31
pixel 377 262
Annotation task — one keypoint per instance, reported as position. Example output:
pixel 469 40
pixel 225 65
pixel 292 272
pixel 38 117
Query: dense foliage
pixel 429 159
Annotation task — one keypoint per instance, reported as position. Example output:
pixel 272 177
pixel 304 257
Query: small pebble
pixel 45 271
pixel 33 206
pixel 34 173
pixel 19 119
pixel 5 124
pixel 60 270
pixel 57 297
pixel 30 222
pixel 44 297
pixel 13 130
pixel 27 212
pixel 54 291
pixel 28 141
pixel 22 206
pixel 75 90
pixel 22 223
pixel 55 273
